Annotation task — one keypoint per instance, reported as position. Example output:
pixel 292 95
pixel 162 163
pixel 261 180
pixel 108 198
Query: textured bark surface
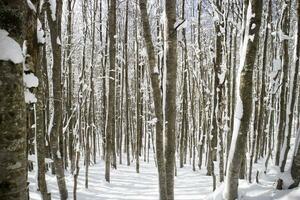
pixel 184 117
pixel 291 104
pixel 55 30
pixel 234 165
pixel 13 165
pixel 127 134
pixel 171 68
pixel 295 171
pixel 154 76
pixel 35 55
pixel 110 132
pixel 70 100
pixel 285 26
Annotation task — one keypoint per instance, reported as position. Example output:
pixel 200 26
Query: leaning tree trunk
pixel 243 111
pixel 13 166
pixel 55 30
pixel 171 68
pixel 157 101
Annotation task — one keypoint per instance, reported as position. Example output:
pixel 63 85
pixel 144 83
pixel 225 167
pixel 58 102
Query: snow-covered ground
pixel 126 184
pixel 265 189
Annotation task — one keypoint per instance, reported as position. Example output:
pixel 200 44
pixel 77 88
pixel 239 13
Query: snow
pixel 222 75
pixel 40 32
pixel 58 154
pixel 41 5
pixel 53 9
pixel 126 184
pixel 266 188
pixel 31 6
pixel 282 36
pixel 29 97
pixel 153 121
pixel 50 124
pixel 163 19
pixel 58 41
pixel 143 52
pixel 10 50
pixel 30 80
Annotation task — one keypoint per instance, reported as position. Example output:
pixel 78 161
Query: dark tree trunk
pixel 13 165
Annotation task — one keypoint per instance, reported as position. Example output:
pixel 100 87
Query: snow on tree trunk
pixel 13 165
pixel 295 170
pixel 243 110
pixel 154 76
pixel 56 132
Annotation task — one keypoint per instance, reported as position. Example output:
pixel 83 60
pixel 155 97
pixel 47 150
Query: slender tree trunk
pixel 35 50
pixel 111 97
pixel 295 170
pixel 157 96
pixel 171 77
pixel 285 20
pixel 55 30
pixel 291 105
pixel 70 85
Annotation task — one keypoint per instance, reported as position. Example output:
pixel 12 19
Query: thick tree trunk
pixel 243 110
pixel 13 166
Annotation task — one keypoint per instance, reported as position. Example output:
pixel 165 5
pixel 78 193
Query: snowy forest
pixel 149 99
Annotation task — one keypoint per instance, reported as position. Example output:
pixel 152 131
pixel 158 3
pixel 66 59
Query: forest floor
pixel 126 184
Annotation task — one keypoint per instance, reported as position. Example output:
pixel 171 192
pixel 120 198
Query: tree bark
pixel 285 20
pixel 55 30
pixel 111 97
pixel 295 170
pixel 244 105
pixel 170 112
pixel 154 76
pixel 13 166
